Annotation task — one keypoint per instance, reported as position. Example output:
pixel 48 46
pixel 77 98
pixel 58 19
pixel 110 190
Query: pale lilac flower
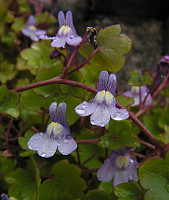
pixel 134 93
pixel 66 34
pixel 120 166
pixel 57 135
pixel 104 104
pixel 31 31
pixel 5 197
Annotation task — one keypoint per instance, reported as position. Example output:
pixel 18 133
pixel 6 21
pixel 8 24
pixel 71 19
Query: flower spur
pixel 104 104
pixel 66 33
pixel 57 135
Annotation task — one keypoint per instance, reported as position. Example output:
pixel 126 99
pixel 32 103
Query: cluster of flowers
pixel 120 166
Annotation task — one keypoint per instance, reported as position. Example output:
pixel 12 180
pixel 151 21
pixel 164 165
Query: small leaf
pixel 125 101
pixel 22 184
pixel 99 195
pixel 113 47
pixel 120 135
pixel 49 190
pixel 9 102
pixel 18 24
pixel 129 191
pixel 165 136
pixel 7 72
pixel 23 143
pixel 68 177
pixel 137 79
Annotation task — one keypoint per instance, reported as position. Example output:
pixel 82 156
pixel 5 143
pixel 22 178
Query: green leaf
pixel 151 122
pixel 7 72
pixel 23 143
pixel 65 196
pixel 98 195
pixel 120 135
pixel 31 101
pixel 44 73
pixel 35 57
pixel 18 24
pixel 154 175
pixel 106 186
pixel 45 17
pixel 22 184
pixel 165 136
pixel 6 165
pixel 164 118
pixel 8 38
pixel 125 101
pixel 137 79
pixel 113 47
pixel 129 191
pixel 9 102
pixel 68 177
pixel 49 190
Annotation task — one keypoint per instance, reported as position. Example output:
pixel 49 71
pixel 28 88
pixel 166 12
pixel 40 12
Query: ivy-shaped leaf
pixel 120 135
pixel 9 102
pixel 113 46
pixel 68 177
pixel 165 136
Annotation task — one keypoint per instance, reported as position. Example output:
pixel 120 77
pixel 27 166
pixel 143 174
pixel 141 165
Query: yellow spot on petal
pixel 32 28
pixel 64 30
pixel 109 98
pixel 135 89
pixel 54 128
pixel 100 96
pixel 122 162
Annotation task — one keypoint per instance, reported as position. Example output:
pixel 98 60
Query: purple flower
pixel 104 104
pixel 120 166
pixel 57 135
pixel 5 197
pixel 31 31
pixel 66 34
pixel 134 93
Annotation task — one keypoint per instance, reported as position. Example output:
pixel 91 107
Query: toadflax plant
pixel 112 144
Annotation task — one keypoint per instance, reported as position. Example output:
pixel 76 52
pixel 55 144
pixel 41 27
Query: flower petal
pixel 136 100
pixel 33 37
pixel 26 31
pixel 67 145
pixel 45 146
pixel 52 111
pixel 61 19
pixel 128 94
pixel 59 42
pixel 60 117
pixel 111 85
pixel 103 78
pixel 85 108
pixel 74 41
pixel 107 171
pixel 132 173
pixel 100 117
pixel 120 177
pixel 69 21
pixel 40 32
pixel 148 101
pixel 31 20
pixel 45 37
pixel 118 114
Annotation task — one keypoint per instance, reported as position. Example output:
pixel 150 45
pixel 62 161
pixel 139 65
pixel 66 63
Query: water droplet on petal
pixel 102 124
pixel 41 134
pixel 80 111
pixel 93 122
pixel 43 154
pixel 107 160
pixel 66 141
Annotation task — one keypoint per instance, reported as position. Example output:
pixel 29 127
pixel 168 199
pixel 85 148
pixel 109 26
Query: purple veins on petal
pixel 85 108
pixel 67 145
pixel 66 33
pixel 104 104
pixel 57 135
pixel 120 166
